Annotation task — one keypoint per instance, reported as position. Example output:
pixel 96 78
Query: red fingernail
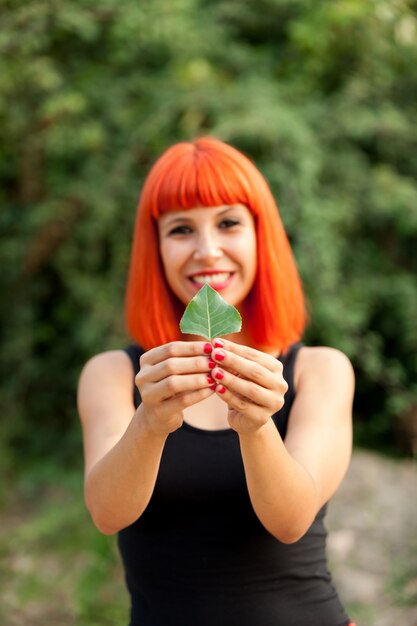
pixel 211 364
pixel 221 389
pixel 213 387
pixel 219 355
pixel 210 379
pixel 218 343
pixel 208 348
pixel 219 375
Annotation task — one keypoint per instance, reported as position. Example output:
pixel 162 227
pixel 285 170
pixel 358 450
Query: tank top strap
pixel 134 352
pixel 288 361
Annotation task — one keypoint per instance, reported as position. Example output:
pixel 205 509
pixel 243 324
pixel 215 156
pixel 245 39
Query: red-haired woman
pixel 214 461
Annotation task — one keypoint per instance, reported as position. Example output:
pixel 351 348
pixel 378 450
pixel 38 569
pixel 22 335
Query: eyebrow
pixel 184 218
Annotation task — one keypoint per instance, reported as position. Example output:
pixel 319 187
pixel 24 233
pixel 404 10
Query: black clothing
pixel 199 556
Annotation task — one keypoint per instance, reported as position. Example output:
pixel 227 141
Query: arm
pixel 288 483
pixel 123 447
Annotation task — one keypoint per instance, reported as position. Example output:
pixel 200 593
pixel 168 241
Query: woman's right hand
pixel 173 377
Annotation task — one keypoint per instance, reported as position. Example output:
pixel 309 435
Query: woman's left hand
pixel 250 382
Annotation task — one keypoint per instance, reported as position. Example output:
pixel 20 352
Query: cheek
pixel 163 254
pixel 251 256
pixel 172 258
pixel 168 251
pixel 168 258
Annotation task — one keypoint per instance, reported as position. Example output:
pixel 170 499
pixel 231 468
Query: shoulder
pixel 319 434
pixel 325 364
pixel 112 362
pixel 104 375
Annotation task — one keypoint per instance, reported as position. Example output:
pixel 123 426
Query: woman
pixel 216 469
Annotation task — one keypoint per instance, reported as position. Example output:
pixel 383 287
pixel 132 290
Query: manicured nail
pixel 219 355
pixel 211 364
pixel 221 389
pixel 213 387
pixel 210 379
pixel 208 348
pixel 219 375
pixel 218 343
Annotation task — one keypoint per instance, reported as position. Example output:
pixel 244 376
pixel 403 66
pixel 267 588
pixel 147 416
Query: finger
pixel 153 393
pixel 249 369
pixel 248 391
pixel 186 399
pixel 175 349
pixel 268 360
pixel 174 366
pixel 240 404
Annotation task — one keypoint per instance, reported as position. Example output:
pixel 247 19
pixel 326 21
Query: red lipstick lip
pixel 209 273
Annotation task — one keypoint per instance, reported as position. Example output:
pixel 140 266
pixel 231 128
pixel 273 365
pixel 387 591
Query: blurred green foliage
pixel 320 94
pixel 55 567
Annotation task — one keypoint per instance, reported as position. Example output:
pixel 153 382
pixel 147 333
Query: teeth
pixel 211 278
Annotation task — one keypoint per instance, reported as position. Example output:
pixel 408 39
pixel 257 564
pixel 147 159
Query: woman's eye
pixel 229 223
pixel 180 230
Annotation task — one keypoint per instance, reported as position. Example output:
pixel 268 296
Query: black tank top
pixel 199 556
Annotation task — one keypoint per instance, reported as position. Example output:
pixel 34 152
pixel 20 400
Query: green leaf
pixel 210 316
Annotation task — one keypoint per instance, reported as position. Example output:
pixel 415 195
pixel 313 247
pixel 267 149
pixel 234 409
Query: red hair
pixel 208 172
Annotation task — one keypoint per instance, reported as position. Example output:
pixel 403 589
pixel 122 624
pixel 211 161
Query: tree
pixel 320 94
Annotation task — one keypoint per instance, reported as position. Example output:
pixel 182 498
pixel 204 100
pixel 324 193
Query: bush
pixel 321 95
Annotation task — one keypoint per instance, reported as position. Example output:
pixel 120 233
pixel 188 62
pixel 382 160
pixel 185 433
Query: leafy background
pixel 320 94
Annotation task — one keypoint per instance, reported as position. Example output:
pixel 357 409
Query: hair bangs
pixel 197 177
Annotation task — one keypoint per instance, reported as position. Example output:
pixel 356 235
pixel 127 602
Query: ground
pixel 57 570
pixel 372 544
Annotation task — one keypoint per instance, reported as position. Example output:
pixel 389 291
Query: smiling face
pixel 215 245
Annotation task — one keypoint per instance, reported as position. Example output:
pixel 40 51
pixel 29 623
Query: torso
pixel 209 414
pixel 199 553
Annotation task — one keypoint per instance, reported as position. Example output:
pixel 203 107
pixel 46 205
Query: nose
pixel 207 247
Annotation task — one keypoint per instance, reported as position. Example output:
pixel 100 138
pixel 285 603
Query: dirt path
pixel 372 543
